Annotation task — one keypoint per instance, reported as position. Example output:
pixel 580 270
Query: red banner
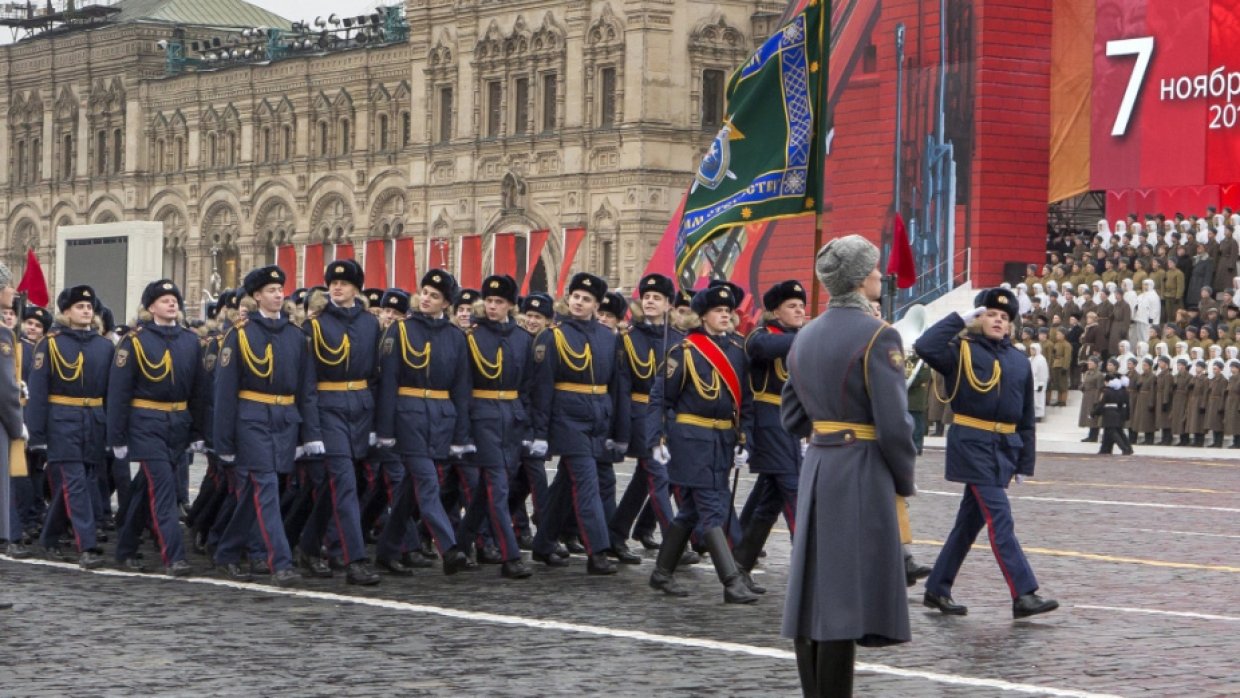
pixel 538 241
pixel 286 259
pixel 343 251
pixel 314 265
pixel 405 265
pixel 376 264
pixel 504 259
pixel 470 275
pixel 572 241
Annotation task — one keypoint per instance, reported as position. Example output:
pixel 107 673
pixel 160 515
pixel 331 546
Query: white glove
pixel 314 448
pixel 971 315
pixel 119 452
pixel 25 433
pixel 538 448
pixel 661 455
pixel 804 447
pixel 740 457
pixel 609 444
pixel 198 447
pixel 37 447
pixel 227 458
pixel 1020 479
pixel 299 453
pixel 372 439
pixel 458 451
pixel 385 443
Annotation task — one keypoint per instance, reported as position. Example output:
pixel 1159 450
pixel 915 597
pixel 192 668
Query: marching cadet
pixel 344 342
pixel 612 313
pixel 463 308
pixel 846 579
pixel 423 412
pixel 501 368
pixel 158 397
pixel 529 477
pixel 580 404
pixel 1113 409
pixel 31 504
pixel 990 443
pixel 374 300
pixel 457 482
pixel 706 386
pixel 776 453
pixel 11 426
pixel 644 346
pixel 265 405
pixel 65 415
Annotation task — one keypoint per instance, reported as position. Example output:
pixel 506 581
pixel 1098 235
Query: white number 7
pixel 1143 49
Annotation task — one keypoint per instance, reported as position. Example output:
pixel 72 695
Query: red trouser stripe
pixel 150 493
pixel 990 531
pixel 262 525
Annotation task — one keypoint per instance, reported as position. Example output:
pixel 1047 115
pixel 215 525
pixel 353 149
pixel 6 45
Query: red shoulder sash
pixel 715 356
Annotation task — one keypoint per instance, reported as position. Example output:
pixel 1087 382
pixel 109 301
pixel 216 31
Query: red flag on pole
pixel 901 262
pixel 33 283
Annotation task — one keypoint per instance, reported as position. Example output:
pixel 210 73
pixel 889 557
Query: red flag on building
pixel 901 262
pixel 33 283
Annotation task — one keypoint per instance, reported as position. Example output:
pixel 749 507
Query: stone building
pixel 454 146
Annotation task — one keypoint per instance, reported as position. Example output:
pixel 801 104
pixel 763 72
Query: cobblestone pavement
pixel 1142 552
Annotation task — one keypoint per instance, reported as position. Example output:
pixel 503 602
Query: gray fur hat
pixel 843 263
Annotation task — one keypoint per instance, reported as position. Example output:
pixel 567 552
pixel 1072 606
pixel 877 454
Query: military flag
pixel 766 162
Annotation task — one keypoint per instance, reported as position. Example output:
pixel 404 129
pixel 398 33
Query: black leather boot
pixel 1149 439
pixel 1199 440
pixel 1218 439
pixel 663 578
pixel 1091 437
pixel 834 663
pixel 912 570
pixel 746 552
pixel 734 588
pixel 1166 438
pixel 807 667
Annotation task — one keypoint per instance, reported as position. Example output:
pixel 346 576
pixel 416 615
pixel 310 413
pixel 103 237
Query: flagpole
pixel 824 69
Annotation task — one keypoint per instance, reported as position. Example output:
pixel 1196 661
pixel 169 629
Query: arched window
pixel 288 142
pixel 180 154
pixel 66 158
pixel 212 151
pixel 344 136
pixel 383 132
pixel 101 152
pixel 267 144
pixel 161 155
pixel 230 158
pixel 406 128
pixel 323 151
pixel 118 152
pixel 20 175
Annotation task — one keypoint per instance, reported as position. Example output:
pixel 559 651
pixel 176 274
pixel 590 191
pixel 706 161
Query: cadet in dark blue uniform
pixel 529 477
pixel 65 416
pixel 612 312
pixel 457 481
pixel 265 404
pixel 707 388
pixel 157 409
pixel 776 453
pixel 213 488
pixel 580 412
pixel 344 339
pixel 990 442
pixel 644 345
pixel 501 370
pixel 423 412
pixel 29 490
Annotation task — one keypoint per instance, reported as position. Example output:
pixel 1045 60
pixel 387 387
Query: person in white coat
pixel 1146 313
pixel 1041 378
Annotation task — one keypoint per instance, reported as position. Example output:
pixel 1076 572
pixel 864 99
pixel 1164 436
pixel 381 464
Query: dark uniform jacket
pixel 774 449
pixel 428 360
pixel 502 368
pixel 1112 407
pixel 577 354
pixel 72 364
pixel 269 358
pixel 644 348
pixel 975 456
pixel 346 417
pixel 140 373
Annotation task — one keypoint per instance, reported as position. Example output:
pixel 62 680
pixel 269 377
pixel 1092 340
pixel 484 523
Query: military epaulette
pixel 53 333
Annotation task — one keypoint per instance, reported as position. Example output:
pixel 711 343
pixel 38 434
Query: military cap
pixel 615 304
pixel 158 289
pixel 230 299
pixel 76 294
pixel 737 292
pixel 374 296
pixel 713 297
pixel 213 309
pixel 684 299
pixel 465 296
pixel 783 291
pixel 441 281
pixel 260 278
pixel 299 296
pixel 346 270
pixel 540 303
pixel 999 299
pixel 104 314
pixel 500 285
pixel 310 292
pixel 591 284
pixel 658 283
pixel 34 312
pixel 395 299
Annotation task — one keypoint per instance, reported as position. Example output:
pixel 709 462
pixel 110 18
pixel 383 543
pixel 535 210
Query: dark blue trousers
pixel 772 495
pixel 223 517
pixel 335 501
pixel 575 489
pixel 983 505
pixel 702 508
pixel 418 485
pixel 649 480
pixel 72 502
pixel 646 521
pixel 258 502
pixel 527 479
pixel 153 503
pixel 491 502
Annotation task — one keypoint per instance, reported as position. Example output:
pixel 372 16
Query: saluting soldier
pixel 580 411
pixel 991 442
pixel 644 346
pixel 157 410
pixel 845 392
pixel 65 415
pixel 265 405
pixel 423 412
pixel 501 367
pixel 707 388
pixel 529 477
pixel 776 453
pixel 344 342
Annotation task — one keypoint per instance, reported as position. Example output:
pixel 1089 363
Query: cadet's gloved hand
pixel 538 448
pixel 615 448
pixel 314 448
pixel 458 451
pixel 37 447
pixel 25 433
pixel 299 453
pixel 740 457
pixel 119 452
pixel 804 447
pixel 971 315
pixel 1020 479
pixel 372 439
pixel 228 458
pixel 661 455
pixel 385 443
pixel 199 446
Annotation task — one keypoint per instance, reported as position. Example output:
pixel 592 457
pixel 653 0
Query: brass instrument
pixel 910 327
